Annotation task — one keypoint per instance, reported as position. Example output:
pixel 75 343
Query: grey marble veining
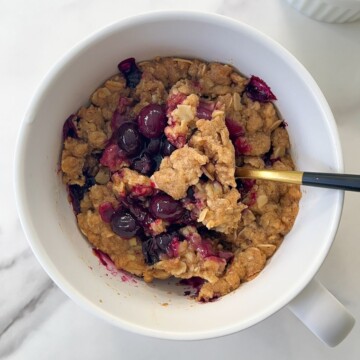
pixel 23 300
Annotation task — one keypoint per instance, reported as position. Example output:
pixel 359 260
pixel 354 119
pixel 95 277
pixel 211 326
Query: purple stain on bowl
pixel 127 277
pixel 105 260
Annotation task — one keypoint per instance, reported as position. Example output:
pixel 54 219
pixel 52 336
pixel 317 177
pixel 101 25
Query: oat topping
pixel 129 181
pixel 212 139
pixel 244 267
pixel 220 208
pixel 149 166
pixel 182 121
pixel 73 160
pixel 179 171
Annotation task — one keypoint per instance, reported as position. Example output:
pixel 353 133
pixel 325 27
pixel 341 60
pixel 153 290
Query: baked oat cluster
pixel 149 166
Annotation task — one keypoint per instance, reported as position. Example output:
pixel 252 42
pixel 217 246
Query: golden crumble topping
pixel 149 166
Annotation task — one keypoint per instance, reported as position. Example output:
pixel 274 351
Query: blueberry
pixel 153 146
pixel 190 193
pixel 163 206
pixel 129 138
pixel 124 224
pixel 142 216
pixel 167 148
pixel 152 121
pixel 166 243
pixel 130 71
pixel 77 192
pixel 150 252
pixel 144 165
pixel 163 241
pixel 258 90
pixel 69 128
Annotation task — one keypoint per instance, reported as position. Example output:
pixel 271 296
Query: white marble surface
pixel 37 321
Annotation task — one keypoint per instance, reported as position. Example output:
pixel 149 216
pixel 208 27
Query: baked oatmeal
pixel 149 166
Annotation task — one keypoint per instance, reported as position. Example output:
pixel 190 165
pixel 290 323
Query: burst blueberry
pixel 154 247
pixel 153 147
pixel 69 128
pixel 167 148
pixel 258 90
pixel 144 164
pixel 130 71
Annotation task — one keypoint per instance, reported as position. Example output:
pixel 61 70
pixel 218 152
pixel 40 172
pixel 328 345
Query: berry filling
pixel 194 283
pixel 173 101
pixel 258 90
pixel 205 110
pixel 130 71
pixel 106 211
pixel 114 158
pixel 69 128
pixel 235 129
pixel 163 244
pixel 245 186
pixel 269 162
pixel 77 192
pixel 140 213
pixel 119 116
pixel 242 146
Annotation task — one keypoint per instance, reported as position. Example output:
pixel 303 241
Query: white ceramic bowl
pixel 49 222
pixel 331 11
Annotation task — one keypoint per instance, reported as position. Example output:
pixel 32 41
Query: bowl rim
pixel 24 209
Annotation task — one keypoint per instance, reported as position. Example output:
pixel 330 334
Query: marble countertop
pixel 37 321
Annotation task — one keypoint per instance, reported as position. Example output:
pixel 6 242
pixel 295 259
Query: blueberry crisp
pixel 149 167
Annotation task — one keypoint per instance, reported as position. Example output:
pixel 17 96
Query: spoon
pixel 327 180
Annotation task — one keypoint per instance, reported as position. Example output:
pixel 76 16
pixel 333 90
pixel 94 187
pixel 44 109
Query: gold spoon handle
pixel 327 180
